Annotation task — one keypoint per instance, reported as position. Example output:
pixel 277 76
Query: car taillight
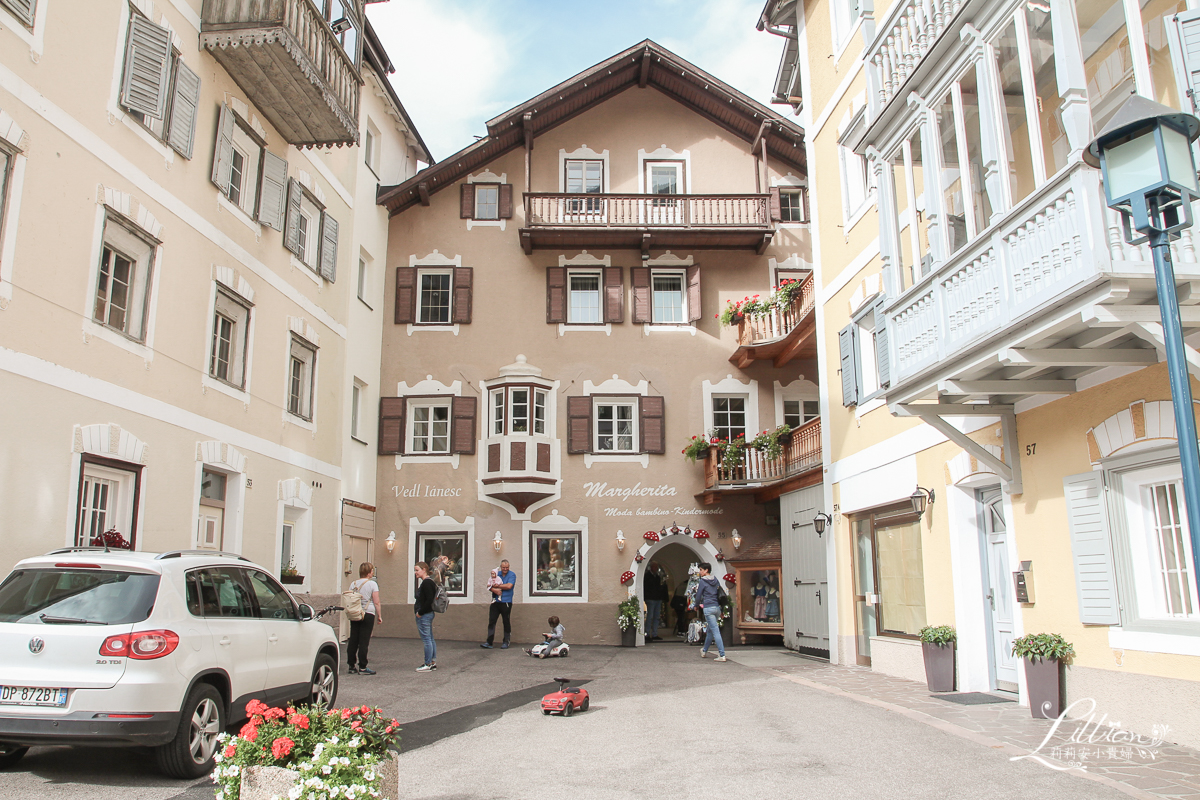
pixel 140 645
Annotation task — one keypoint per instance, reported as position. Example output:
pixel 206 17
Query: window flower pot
pixel 939 666
pixel 293 579
pixel 629 637
pixel 1043 678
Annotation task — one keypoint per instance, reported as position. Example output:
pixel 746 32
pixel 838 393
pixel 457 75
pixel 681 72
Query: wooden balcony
pixel 781 335
pixel 285 57
pixel 647 221
pixel 798 466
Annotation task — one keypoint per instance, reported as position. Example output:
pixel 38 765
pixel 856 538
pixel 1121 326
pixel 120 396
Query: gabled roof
pixel 645 64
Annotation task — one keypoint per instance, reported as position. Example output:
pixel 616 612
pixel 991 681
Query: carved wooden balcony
pixel 646 221
pixel 798 466
pixel 287 59
pixel 782 334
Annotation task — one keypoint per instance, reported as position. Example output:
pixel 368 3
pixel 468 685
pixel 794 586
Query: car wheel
pixel 568 708
pixel 587 701
pixel 10 754
pixel 324 686
pixel 190 753
pixel 545 712
pixel 564 653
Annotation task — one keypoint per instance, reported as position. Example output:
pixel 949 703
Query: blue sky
pixel 461 62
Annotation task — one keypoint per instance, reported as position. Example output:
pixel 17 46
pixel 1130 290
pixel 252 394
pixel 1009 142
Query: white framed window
pixel 428 427
pixel 213 484
pixel 518 410
pixel 362 281
pixel 302 378
pixel 453 547
pixel 230 339
pixel 310 231
pixel 868 364
pixel 864 355
pixel 287 546
pixel 487 201
pixel 435 296
pixel 729 416
pixel 370 147
pixel 798 412
pixel 1158 546
pixel 108 499
pixel 616 424
pixel 668 290
pixel 555 564
pixel 584 297
pixel 584 176
pixel 6 166
pixel 252 178
pixel 123 283
pixel 244 169
pixel 357 390
pixel 791 205
pixel 855 187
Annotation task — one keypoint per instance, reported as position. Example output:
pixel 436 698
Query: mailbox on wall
pixel 1023 579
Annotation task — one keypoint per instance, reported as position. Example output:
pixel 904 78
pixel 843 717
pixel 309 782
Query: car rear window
pixel 65 596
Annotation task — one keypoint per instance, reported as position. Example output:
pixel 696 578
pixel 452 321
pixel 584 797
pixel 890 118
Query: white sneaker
pixel 425 668
pixel 720 658
pixel 703 653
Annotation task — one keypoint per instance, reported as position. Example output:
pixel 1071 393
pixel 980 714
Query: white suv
pixel 137 649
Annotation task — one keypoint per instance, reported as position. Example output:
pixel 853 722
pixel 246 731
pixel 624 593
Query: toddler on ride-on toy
pixel 553 644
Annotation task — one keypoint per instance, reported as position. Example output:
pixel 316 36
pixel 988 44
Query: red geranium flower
pixel 274 713
pixel 230 750
pixel 249 732
pixel 255 707
pixel 281 747
pixel 299 720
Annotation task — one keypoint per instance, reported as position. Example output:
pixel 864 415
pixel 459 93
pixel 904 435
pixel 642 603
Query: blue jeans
pixel 653 615
pixel 425 628
pixel 712 618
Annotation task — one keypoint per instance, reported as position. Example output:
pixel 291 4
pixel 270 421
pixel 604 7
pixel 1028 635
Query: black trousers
pixel 360 640
pixel 498 609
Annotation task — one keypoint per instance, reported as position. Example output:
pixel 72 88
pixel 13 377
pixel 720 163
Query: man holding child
pixel 501 586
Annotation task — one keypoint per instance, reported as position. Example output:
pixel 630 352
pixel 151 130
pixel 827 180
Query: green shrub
pixel 1034 646
pixel 941 635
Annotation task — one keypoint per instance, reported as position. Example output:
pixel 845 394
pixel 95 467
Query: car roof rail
pixel 206 553
pixel 81 549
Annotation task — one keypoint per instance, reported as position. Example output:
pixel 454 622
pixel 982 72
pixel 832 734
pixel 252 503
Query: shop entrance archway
pixel 702 549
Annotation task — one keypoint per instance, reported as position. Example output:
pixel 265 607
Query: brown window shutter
pixel 773 205
pixel 543 457
pixel 614 295
pixel 467 211
pixel 653 431
pixel 391 425
pixel 463 279
pixel 556 294
pixel 639 279
pixel 406 295
pixel 693 293
pixel 505 211
pixel 494 457
pixel 516 455
pixel 579 424
pixel 462 425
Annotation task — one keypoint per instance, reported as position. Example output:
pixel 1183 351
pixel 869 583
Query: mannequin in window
pixel 759 592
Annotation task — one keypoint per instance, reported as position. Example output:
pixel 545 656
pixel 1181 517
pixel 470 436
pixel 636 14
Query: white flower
pixel 333 740
pixel 294 794
pixel 325 770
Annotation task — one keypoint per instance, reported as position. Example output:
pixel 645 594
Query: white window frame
pixel 371 147
pixel 868 356
pixel 422 272
pixel 460 535
pixel 310 232
pixel 230 306
pixel 119 513
pixel 681 274
pixel 298 348
pixel 411 422
pixel 357 390
pixel 747 431
pixel 364 279
pixel 501 416
pixel 571 313
pixel 481 213
pixel 857 191
pixel 126 240
pixel 843 22
pixel 634 406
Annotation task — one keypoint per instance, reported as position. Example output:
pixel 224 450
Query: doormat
pixel 972 698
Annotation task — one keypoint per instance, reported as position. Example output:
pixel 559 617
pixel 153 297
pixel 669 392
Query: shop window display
pixel 554 568
pixel 451 547
pixel 759 607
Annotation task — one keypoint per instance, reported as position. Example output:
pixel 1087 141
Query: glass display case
pixel 758 590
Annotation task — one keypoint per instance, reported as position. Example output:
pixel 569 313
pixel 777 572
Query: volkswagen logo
pixel 36 645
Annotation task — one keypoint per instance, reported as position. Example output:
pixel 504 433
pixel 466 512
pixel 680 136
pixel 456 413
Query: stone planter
pixel 939 666
pixel 1043 678
pixel 266 783
pixel 629 637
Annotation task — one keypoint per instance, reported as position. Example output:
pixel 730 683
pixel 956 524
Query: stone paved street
pixel 665 723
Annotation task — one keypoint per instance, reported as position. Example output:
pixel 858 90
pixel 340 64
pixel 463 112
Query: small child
pixel 552 639
pixel 494 580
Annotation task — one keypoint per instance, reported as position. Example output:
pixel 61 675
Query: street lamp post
pixel 1145 154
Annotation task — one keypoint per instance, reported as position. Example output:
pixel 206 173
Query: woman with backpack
pixel 423 608
pixel 360 629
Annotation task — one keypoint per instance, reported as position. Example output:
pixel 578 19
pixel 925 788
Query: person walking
pixel 655 592
pixel 501 606
pixel 708 600
pixel 423 608
pixel 360 630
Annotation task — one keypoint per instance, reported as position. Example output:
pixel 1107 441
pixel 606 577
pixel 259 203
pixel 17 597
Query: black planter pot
pixel 939 666
pixel 629 637
pixel 1043 677
pixel 293 579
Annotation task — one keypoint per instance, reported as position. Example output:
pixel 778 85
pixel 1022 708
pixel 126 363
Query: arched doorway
pixel 700 550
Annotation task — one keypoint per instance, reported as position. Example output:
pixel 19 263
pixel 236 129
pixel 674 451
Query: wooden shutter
pixel 185 101
pixel 462 425
pixel 773 205
pixel 505 206
pixel 23 9
pixel 147 67
pixel 883 355
pixel 556 294
pixel 848 347
pixel 1189 38
pixel 272 194
pixel 406 295
pixel 654 438
pixel 329 243
pixel 1091 549
pixel 291 229
pixel 391 425
pixel 614 295
pixel 463 279
pixel 467 209
pixel 579 424
pixel 693 293
pixel 639 280
pixel 223 152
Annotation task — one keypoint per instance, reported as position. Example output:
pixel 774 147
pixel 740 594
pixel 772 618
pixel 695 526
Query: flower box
pixel 267 783
pixel 293 579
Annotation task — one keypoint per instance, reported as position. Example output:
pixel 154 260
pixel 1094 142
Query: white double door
pixel 998 587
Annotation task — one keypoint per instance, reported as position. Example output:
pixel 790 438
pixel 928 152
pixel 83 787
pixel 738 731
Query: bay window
pixel 518 409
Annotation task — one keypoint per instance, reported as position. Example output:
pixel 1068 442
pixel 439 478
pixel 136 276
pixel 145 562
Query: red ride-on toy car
pixel 566 700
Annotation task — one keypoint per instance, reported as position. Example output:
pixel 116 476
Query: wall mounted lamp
pixel 499 540
pixel 620 542
pixel 737 539
pixel 920 499
pixel 820 521
pixel 390 542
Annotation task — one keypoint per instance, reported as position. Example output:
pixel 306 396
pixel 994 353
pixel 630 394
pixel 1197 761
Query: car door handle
pixel 225 642
pixel 273 638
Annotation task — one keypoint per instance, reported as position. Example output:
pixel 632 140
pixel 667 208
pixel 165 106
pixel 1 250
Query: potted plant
pixel 937 645
pixel 290 574
pixel 770 443
pixel 627 620
pixel 696 448
pixel 1044 654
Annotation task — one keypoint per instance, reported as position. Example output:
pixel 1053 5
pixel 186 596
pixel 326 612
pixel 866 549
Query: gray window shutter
pixel 848 347
pixel 23 9
pixel 147 67
pixel 693 293
pixel 185 100
pixel 883 356
pixel 223 152
pixel 1091 549
pixel 272 195
pixel 1189 38
pixel 329 237
pixel 291 230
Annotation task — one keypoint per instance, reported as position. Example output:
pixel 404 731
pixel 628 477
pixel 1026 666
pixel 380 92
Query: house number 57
pixel 1031 449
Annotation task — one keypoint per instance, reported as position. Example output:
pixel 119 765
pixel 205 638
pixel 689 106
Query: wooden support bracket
pixel 933 414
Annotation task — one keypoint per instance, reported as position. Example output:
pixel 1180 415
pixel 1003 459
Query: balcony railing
pixel 647 211
pixel 778 322
pixel 801 453
pixel 904 38
pixel 288 61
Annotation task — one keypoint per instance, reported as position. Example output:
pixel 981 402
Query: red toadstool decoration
pixel 651 536
pixel 626 576
pixel 730 577
pixel 700 534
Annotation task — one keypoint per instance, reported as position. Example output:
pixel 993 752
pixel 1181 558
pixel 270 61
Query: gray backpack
pixel 441 600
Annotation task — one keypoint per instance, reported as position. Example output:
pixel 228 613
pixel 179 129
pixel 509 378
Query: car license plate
pixel 32 696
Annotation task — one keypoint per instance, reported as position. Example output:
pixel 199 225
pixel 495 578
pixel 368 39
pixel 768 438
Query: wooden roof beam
pixel 423 191
pixel 644 70
pixel 760 137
